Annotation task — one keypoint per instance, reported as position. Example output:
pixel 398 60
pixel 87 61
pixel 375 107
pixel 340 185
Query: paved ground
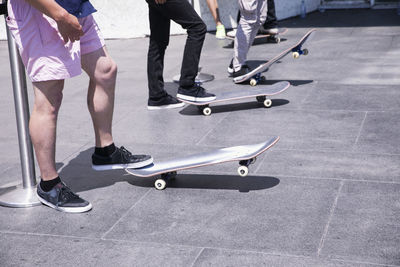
pixel 326 195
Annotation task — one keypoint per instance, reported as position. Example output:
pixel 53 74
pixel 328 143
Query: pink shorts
pixel 43 51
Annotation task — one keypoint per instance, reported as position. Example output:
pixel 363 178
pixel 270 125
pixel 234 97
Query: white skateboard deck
pixel 245 154
pixel 255 75
pixel 260 93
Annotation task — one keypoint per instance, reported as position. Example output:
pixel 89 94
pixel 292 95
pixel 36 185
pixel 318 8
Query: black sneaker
pixel 243 71
pixel 165 102
pixel 120 159
pixel 195 93
pixel 63 199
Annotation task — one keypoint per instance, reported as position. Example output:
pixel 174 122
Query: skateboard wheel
pixel 243 171
pixel 296 54
pixel 277 40
pixel 160 184
pixel 267 103
pixel 253 82
pixel 261 98
pixel 207 111
pixel 305 52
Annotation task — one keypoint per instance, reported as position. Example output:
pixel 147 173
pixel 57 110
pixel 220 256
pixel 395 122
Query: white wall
pixel 128 19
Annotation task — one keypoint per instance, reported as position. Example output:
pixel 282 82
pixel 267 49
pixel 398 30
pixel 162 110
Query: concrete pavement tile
pixel 35 250
pixel 288 217
pixel 365 225
pixel 165 127
pixel 298 129
pixel 110 195
pixel 338 165
pixel 380 133
pixel 353 97
pixel 216 257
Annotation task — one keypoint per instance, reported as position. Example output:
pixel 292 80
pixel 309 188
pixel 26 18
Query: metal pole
pixel 16 194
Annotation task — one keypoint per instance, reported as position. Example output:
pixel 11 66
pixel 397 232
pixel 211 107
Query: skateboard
pixel 167 170
pixel 255 76
pixel 274 38
pixel 260 94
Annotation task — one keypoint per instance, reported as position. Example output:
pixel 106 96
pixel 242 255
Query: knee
pixel 199 30
pixel 106 73
pixel 48 97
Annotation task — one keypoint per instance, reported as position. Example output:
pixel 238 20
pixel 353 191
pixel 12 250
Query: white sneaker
pixel 231 33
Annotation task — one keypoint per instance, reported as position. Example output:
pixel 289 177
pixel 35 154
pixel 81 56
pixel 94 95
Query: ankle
pixel 105 151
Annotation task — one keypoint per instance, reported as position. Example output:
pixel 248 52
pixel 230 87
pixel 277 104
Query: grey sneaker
pixel 63 199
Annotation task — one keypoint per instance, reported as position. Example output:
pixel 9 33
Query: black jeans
pixel 271 21
pixel 160 16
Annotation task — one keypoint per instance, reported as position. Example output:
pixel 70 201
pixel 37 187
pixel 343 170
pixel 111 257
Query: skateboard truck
pixel 161 183
pixel 243 169
pixel 297 51
pixel 257 79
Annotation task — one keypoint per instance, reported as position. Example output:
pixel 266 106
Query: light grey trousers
pixel 253 14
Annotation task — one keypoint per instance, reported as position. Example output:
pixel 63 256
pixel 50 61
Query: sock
pixel 105 151
pixel 48 185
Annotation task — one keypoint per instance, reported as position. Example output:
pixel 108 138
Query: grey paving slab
pixel 338 125
pixel 365 226
pixel 74 251
pixel 337 165
pixel 299 129
pixel 165 127
pixel 110 203
pixel 380 133
pixel 329 96
pixel 221 218
pixel 215 257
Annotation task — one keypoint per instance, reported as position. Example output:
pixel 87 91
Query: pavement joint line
pixel 335 179
pixel 125 214
pixel 338 151
pixel 212 129
pixel 331 213
pixel 360 130
pixel 197 257
pixel 48 235
pixel 214 248
pixel 365 262
pixel 308 95
pixel 187 246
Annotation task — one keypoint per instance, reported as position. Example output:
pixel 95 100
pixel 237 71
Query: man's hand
pixel 69 28
pixel 160 1
pixel 68 25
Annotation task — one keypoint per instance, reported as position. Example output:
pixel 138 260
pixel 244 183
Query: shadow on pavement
pixel 344 18
pixel 79 175
pixel 209 181
pixel 292 82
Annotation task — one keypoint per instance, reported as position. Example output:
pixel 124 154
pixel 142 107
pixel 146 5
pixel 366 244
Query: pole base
pixel 15 196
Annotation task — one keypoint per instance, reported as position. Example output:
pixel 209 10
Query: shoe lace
pixel 200 90
pixel 65 194
pixel 125 154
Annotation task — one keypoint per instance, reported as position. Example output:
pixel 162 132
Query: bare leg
pixel 102 71
pixel 43 125
pixel 213 6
